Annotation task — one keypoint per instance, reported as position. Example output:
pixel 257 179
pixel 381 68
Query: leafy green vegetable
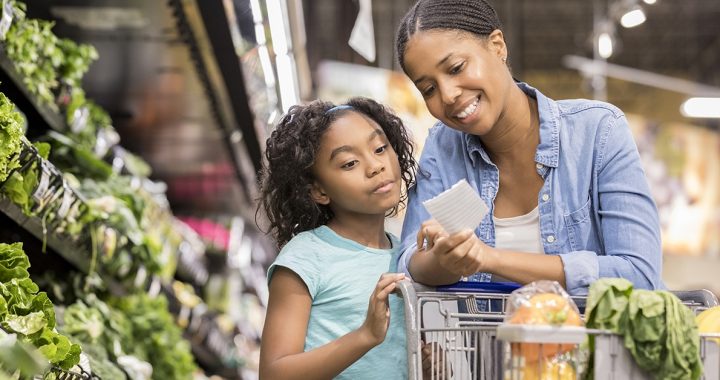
pixel 33 48
pixel 29 313
pixel 156 338
pixel 658 330
pixel 11 132
pixel 21 186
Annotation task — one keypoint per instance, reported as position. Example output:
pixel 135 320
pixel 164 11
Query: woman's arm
pixel 463 254
pixel 283 340
pixel 629 220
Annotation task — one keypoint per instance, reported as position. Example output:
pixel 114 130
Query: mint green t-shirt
pixel 341 274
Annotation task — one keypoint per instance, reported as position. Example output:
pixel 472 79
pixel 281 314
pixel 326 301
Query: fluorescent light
pixel 651 2
pixel 289 94
pixel 633 18
pixel 605 45
pixel 278 30
pixel 701 107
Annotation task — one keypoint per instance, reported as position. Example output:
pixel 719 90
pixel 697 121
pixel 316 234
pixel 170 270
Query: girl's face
pixel 462 77
pixel 356 169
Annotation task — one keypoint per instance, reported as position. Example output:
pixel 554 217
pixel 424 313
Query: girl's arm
pixel 283 340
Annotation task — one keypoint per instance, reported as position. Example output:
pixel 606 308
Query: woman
pixel 567 194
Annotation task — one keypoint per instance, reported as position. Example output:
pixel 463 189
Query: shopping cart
pixel 461 324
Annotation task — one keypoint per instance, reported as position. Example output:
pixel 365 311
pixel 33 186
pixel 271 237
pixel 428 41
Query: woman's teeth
pixel 468 110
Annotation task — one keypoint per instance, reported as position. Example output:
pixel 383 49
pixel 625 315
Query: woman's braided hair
pixel 474 16
pixel 287 178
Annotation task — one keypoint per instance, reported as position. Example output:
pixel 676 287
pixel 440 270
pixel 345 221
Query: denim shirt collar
pixel 549 148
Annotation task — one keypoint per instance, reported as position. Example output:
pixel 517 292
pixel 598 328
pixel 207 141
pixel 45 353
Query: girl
pixel 333 174
pixel 567 194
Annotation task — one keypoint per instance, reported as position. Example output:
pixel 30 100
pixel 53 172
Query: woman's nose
pixel 449 93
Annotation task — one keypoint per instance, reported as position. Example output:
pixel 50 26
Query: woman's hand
pixel 378 315
pixel 430 231
pixel 462 253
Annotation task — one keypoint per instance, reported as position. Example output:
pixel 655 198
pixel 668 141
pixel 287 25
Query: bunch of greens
pixel 19 360
pixel 33 49
pixel 29 313
pixel 97 331
pixel 658 330
pixel 155 336
pixel 20 186
pixel 76 62
pixel 10 137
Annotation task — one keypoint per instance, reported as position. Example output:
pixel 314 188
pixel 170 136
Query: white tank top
pixel 519 233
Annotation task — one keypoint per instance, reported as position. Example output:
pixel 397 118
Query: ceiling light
pixel 701 107
pixel 633 18
pixel 605 45
pixel 651 2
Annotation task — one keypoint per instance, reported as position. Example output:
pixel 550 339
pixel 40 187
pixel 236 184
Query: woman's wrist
pixel 490 259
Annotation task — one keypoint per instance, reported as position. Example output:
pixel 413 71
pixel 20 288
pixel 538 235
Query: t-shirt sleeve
pixel 303 262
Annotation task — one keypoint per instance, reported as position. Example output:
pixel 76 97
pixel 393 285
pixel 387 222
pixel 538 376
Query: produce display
pixel 90 201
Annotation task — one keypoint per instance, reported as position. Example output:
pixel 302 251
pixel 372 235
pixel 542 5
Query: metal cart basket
pixel 462 327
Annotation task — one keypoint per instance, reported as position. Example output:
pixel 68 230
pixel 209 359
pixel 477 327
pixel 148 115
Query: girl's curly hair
pixel 286 178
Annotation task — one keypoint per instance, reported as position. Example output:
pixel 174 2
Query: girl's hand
pixel 378 315
pixel 433 365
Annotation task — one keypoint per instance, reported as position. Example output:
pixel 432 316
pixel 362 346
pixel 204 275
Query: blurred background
pixel 187 92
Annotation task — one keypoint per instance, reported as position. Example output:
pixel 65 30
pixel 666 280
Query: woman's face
pixel 462 77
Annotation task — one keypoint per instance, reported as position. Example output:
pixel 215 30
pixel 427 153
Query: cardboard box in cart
pixel 475 344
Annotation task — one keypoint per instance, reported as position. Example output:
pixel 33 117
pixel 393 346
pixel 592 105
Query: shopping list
pixel 457 208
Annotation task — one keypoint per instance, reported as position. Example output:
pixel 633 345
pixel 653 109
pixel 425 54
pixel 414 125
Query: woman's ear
pixel 318 194
pixel 496 43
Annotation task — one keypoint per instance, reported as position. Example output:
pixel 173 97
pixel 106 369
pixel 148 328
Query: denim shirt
pixel 596 211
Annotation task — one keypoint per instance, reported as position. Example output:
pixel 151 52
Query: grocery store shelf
pixel 72 251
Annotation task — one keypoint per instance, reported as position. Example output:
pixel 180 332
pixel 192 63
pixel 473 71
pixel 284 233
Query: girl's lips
pixel 384 188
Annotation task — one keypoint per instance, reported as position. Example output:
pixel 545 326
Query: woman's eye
pixel 456 69
pixel 381 149
pixel 349 165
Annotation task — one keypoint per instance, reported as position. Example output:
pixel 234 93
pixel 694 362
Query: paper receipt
pixel 457 208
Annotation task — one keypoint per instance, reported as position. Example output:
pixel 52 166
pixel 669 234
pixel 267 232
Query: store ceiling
pixel 146 79
pixel 679 38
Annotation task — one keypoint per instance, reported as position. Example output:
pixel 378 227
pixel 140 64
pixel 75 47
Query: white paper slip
pixel 457 208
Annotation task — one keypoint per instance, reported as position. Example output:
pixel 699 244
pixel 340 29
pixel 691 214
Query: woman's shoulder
pixel 587 107
pixel 442 135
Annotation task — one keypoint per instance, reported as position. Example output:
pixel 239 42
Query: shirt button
pixel 545 197
pixel 550 239
pixel 539 165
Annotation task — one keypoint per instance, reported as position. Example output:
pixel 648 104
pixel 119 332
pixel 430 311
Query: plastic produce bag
pixel 542 303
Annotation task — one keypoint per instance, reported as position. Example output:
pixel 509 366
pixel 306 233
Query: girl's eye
pixel 457 68
pixel 349 165
pixel 381 149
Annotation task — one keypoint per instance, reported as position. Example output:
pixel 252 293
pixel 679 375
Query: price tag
pixel 66 201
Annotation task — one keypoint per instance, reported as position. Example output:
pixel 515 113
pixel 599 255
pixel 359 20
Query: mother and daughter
pixel 563 180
